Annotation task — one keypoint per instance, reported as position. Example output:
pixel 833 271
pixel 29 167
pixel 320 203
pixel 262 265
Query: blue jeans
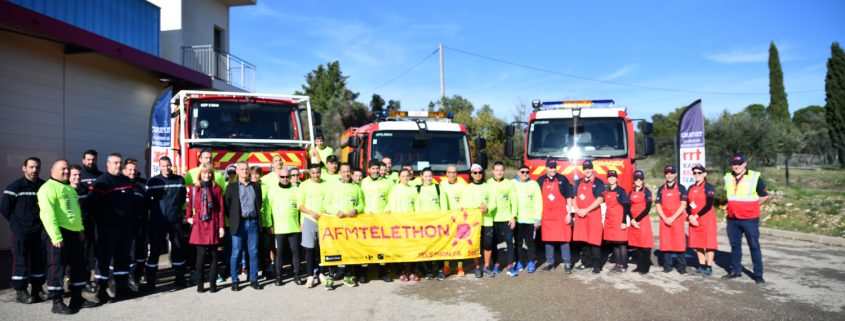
pixel 248 229
pixel 751 229
pixel 565 253
pixel 680 256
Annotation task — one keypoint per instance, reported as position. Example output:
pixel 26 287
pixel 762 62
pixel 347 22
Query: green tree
pixel 834 86
pixel 394 105
pixel 480 123
pixel 756 110
pixel 329 94
pixel 376 104
pixel 811 122
pixel 778 106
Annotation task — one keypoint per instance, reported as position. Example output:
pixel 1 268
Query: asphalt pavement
pixel 805 281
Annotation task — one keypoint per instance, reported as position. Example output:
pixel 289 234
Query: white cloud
pixel 621 72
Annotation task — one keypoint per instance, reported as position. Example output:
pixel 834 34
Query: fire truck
pixel 420 138
pixel 235 126
pixel 574 131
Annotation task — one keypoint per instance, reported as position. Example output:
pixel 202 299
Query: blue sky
pixel 713 50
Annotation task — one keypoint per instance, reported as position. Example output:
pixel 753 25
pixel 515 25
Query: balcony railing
pixel 221 65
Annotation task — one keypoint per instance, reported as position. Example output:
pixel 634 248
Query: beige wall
pixel 190 23
pixel 56 106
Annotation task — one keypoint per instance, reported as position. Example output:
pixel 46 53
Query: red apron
pixel 672 238
pixel 613 218
pixel 553 226
pixel 702 236
pixel 588 228
pixel 640 237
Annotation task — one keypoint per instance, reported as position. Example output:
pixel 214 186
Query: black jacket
pixel 562 183
pixel 232 204
pixel 20 205
pixel 166 198
pixel 87 178
pixel 112 200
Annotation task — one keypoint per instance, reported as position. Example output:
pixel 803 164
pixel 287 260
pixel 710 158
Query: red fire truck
pixel 574 131
pixel 420 138
pixel 235 126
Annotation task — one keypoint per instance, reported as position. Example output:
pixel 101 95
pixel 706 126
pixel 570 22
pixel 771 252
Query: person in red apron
pixel 640 236
pixel 556 222
pixel 702 221
pixel 588 224
pixel 672 204
pixel 616 220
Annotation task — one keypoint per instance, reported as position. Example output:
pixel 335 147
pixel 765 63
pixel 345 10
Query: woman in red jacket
pixel 640 236
pixel 702 221
pixel 205 214
pixel 616 220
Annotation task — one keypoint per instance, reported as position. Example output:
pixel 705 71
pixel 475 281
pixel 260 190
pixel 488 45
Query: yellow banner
pixel 400 237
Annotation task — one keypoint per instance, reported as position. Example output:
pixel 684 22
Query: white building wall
pixel 57 106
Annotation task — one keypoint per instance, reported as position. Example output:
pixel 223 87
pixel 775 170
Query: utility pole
pixel 442 83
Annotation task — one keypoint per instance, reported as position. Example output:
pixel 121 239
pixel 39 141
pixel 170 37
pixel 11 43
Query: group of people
pixel 98 227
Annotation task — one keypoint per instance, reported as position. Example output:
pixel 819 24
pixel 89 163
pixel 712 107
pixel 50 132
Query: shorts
pixel 487 238
pixel 309 233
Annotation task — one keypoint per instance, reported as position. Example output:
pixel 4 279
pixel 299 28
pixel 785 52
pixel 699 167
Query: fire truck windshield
pixel 437 150
pixel 228 119
pixel 596 138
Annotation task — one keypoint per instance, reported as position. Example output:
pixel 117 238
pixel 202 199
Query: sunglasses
pixel 280 176
pixel 477 173
pixel 697 173
pixel 523 172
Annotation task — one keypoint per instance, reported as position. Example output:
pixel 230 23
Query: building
pixel 80 74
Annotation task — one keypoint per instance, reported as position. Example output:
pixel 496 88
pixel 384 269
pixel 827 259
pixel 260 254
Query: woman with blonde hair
pixel 205 214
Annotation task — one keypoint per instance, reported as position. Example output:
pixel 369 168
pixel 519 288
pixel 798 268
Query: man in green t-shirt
pixel 320 152
pixel 346 201
pixel 312 195
pixel 503 194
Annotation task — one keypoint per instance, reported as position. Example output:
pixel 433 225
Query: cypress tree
pixel 834 86
pixel 778 107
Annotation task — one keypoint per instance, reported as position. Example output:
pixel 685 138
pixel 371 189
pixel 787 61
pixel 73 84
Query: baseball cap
pixel 551 163
pixel 738 159
pixel 476 167
pixel 699 167
pixel 612 173
pixel 670 169
pixel 638 174
pixel 331 159
pixel 588 164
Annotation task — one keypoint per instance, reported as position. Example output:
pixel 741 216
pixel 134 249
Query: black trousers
pixel 28 260
pixel 70 257
pixel 157 233
pixel 591 256
pixel 503 234
pixel 292 241
pixel 525 242
pixel 113 247
pixel 139 248
pixel 200 267
pixel 642 258
pixel 90 242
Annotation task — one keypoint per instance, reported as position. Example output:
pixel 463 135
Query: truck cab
pixel 573 131
pixel 422 139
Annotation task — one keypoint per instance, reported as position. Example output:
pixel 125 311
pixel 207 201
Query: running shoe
pixel 478 272
pixel 460 272
pixel 403 278
pixel 414 277
pixel 519 266
pixel 329 284
pixel 441 275
pixel 531 267
pixel 513 271
pixel 489 273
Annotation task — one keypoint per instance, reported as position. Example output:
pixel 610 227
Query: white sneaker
pixel 310 282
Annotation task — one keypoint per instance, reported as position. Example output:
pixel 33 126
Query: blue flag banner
pixel 691 141
pixel 160 120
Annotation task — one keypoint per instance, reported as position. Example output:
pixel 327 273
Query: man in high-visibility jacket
pixel 746 192
pixel 503 194
pixel 346 200
pixel 477 194
pixel 452 187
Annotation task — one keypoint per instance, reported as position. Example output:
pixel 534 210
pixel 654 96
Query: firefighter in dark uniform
pixel 138 251
pixel 112 205
pixel 20 208
pixel 89 174
pixel 166 199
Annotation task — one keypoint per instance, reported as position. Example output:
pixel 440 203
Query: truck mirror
pixel 481 159
pixel 317 118
pixel 647 128
pixel 353 160
pixel 509 130
pixel 354 141
pixel 649 145
pixel 480 143
pixel 509 148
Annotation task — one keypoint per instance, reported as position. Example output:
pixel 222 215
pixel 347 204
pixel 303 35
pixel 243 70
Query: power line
pixel 406 71
pixel 548 71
